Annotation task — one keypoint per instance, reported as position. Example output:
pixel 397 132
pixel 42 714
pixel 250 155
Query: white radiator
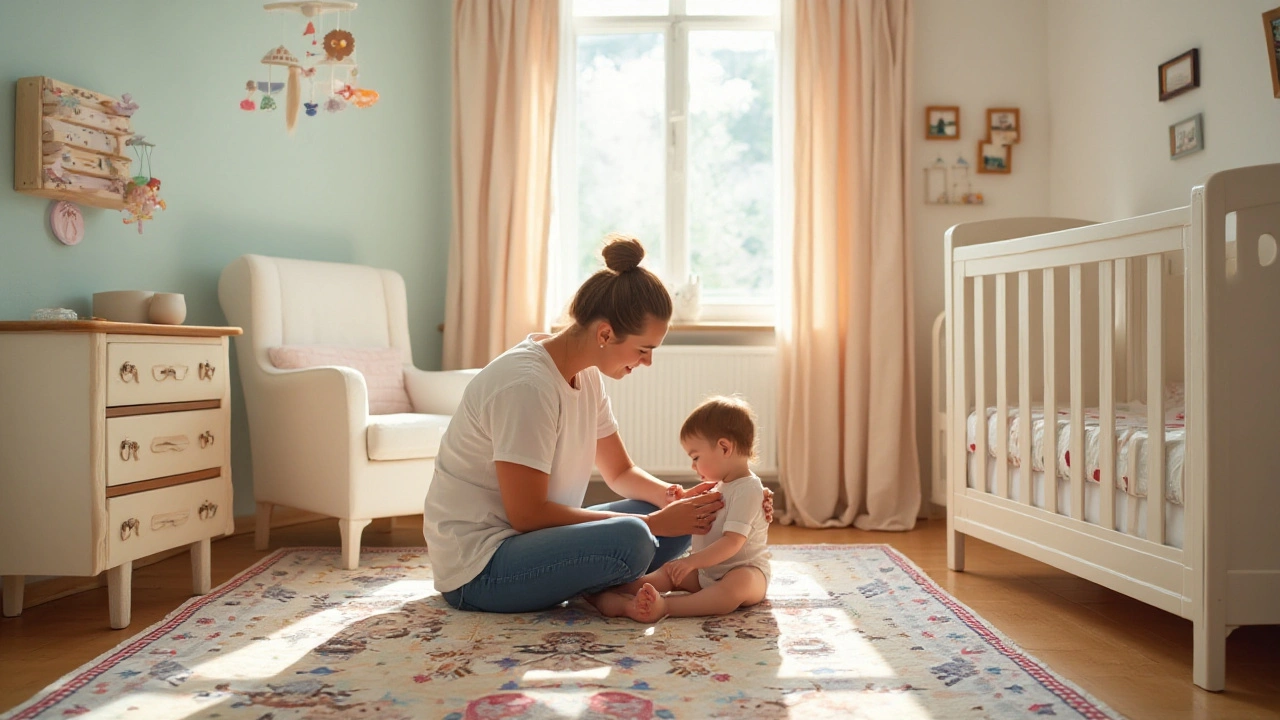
pixel 652 402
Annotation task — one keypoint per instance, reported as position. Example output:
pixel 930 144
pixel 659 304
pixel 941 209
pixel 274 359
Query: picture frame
pixel 1180 74
pixel 1271 25
pixel 994 158
pixel 1004 126
pixel 1186 136
pixel 942 122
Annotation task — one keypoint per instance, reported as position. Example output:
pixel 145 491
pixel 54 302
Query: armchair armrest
pixel 438 392
pixel 316 396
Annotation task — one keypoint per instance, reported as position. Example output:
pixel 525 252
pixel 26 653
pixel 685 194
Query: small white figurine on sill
pixel 687 301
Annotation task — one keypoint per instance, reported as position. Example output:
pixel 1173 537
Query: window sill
pixel 727 326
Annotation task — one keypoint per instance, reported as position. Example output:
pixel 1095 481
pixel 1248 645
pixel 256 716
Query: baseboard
pixel 43 591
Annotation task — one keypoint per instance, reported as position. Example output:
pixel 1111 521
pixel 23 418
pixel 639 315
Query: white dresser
pixel 114 445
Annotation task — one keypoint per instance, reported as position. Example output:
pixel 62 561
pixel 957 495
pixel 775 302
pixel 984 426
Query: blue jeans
pixel 541 569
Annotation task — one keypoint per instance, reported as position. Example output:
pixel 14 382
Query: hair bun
pixel 622 253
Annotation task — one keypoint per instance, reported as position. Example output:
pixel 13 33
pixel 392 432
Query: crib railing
pixel 995 280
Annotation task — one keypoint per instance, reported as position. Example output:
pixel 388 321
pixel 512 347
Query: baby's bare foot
pixel 647 606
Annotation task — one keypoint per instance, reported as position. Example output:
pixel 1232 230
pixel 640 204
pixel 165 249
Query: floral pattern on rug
pixel 847 631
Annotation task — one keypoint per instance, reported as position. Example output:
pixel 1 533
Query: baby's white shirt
pixel 743 513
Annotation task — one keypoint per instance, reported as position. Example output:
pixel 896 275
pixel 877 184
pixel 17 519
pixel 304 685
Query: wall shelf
pixel 69 144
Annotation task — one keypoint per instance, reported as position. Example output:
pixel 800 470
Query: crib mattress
pixel 1131 443
pixel 1130 512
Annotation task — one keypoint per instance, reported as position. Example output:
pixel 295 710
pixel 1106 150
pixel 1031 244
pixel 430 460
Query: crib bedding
pixel 1130 512
pixel 1131 436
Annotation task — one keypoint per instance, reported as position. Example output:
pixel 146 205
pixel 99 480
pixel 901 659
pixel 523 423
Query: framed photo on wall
pixel 1271 24
pixel 942 122
pixel 994 158
pixel 1180 74
pixel 1186 136
pixel 1004 126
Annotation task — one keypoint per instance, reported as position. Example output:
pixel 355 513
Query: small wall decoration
pixel 1003 126
pixel 326 72
pixel 1180 74
pixel 67 222
pixel 942 122
pixel 994 158
pixel 935 183
pixel 1186 136
pixel 1271 25
pixel 962 185
pixel 949 185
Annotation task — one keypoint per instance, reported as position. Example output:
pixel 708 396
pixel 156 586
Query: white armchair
pixel 313 442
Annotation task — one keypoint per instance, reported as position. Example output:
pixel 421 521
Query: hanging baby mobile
pixel 327 66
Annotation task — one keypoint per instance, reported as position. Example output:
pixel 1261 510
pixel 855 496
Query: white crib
pixel 1189 296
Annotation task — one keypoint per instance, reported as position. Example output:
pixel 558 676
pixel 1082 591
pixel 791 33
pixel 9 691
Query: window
pixel 668 130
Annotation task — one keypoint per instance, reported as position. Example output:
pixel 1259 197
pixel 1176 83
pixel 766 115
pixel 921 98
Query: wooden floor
pixel 1135 658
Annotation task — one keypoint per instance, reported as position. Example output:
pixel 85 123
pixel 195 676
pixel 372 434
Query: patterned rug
pixel 848 631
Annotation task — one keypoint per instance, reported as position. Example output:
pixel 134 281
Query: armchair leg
pixel 262 530
pixel 351 528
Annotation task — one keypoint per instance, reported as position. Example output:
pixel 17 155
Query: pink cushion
pixel 383 370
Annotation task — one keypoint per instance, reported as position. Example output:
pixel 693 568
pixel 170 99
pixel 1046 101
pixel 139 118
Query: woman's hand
pixel 692 514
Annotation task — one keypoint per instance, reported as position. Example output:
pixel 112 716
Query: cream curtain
pixel 847 426
pixel 505 58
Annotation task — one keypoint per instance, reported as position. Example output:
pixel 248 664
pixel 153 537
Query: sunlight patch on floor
pixel 309 633
pixel 842 651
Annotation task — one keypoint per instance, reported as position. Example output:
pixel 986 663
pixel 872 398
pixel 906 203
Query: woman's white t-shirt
pixel 518 409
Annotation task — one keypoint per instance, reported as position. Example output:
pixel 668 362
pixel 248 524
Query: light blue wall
pixel 368 186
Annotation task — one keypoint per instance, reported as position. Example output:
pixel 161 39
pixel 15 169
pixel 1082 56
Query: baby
pixel 729 566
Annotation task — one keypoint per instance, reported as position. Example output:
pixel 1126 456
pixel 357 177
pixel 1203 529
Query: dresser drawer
pixel 144 373
pixel 141 447
pixel 148 522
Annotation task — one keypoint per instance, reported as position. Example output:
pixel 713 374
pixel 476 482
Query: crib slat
pixel 1002 388
pixel 1155 398
pixel 980 383
pixel 1050 398
pixel 957 414
pixel 1024 386
pixel 1076 461
pixel 1124 331
pixel 1106 398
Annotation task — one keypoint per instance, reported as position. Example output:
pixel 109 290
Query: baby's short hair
pixel 723 417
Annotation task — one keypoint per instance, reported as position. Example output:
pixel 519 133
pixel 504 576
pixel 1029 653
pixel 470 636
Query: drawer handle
pixel 169 443
pixel 204 371
pixel 128 370
pixel 169 520
pixel 128 450
pixel 206 439
pixel 169 372
pixel 129 528
pixel 208 510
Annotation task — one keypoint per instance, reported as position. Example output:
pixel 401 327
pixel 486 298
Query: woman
pixel 503 520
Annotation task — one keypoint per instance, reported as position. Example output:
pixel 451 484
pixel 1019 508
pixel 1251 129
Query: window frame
pixel 674 27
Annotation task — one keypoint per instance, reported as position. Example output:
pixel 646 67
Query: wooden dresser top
pixel 115 328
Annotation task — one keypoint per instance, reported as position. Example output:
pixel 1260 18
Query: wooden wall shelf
pixel 69 144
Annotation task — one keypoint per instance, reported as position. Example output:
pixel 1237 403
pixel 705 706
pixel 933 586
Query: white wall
pixel 1109 154
pixel 975 54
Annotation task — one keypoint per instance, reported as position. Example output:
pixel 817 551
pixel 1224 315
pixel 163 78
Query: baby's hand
pixel 678 570
pixel 674 493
